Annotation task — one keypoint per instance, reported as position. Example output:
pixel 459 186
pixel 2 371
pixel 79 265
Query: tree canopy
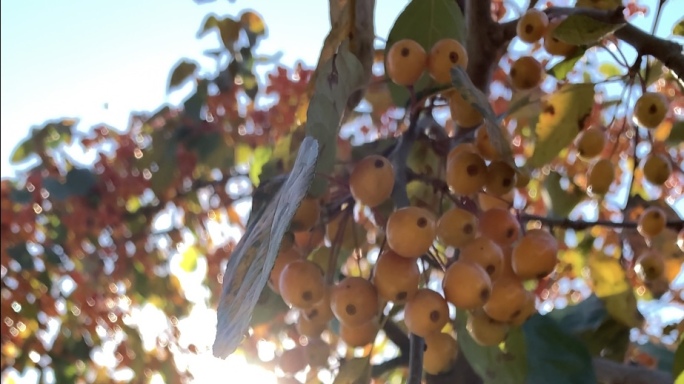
pixel 485 195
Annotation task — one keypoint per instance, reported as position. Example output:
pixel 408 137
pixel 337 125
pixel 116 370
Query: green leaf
pixel 562 118
pixel 22 151
pixel 579 29
pixel 21 255
pixel 183 71
pixel 20 196
pixel 79 181
pixel 561 69
pixel 560 202
pixel 494 364
pixel 426 22
pixel 609 69
pixel 676 135
pixel 52 257
pixel 353 371
pixel 57 190
pixel 554 356
pixel 194 104
pixel 678 30
pixel 212 151
pixel 678 366
pixel 260 157
pixel 250 264
pixel 269 305
pixel 58 132
pixel 470 93
pixel 589 314
pixel 167 163
pixel 189 259
pixel 337 79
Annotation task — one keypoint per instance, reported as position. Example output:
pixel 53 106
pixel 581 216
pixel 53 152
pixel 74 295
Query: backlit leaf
pixel 561 69
pixel 22 151
pixel 678 30
pixel 563 116
pixel 678 366
pixel 189 258
pixel 589 314
pixel 183 71
pixel 353 371
pixel 609 69
pixel 559 201
pixel 337 79
pixel 606 275
pixel 251 261
pixel 580 29
pixel 426 22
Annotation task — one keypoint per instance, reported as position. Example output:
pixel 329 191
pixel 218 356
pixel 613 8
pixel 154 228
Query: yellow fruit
pixel 462 112
pixel 500 225
pixel 532 25
pixel 320 312
pixel 485 330
pixel 652 222
pixel 466 285
pixel 535 256
pixel 601 176
pixel 484 144
pixel 590 143
pixel 506 301
pixel 440 351
pixel 395 277
pixel 359 335
pixel 306 215
pixel 301 284
pixel 554 46
pixel 427 312
pixel 657 169
pixel 650 110
pixel 501 178
pixel 650 265
pixel 526 73
pixel 354 301
pixel 283 259
pixel 462 147
pixel 466 174
pixel 456 227
pixel 406 62
pixel 411 231
pixel 529 309
pixel 371 181
pixel 484 252
pixel 445 54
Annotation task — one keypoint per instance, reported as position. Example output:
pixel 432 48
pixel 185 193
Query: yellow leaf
pixel 189 259
pixel 562 118
pixel 243 153
pixel 623 308
pixel 607 275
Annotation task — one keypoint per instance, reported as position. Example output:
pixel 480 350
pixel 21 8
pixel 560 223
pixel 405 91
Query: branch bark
pixel 482 53
pixel 668 52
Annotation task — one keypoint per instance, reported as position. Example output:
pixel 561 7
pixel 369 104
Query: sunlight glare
pixel 209 369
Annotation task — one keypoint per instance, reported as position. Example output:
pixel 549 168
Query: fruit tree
pixel 486 195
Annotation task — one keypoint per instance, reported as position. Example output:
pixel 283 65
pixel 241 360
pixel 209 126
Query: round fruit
pixel 650 265
pixel 500 225
pixel 529 309
pixel 440 351
pixel 359 335
pixel 601 176
pixel 317 352
pixel 466 173
pixel 371 181
pixel 507 300
pixel 456 227
pixel 590 143
pixel 526 73
pixel 445 54
pixel 535 256
pixel 657 169
pixel 462 112
pixel 466 285
pixel 650 110
pixel 354 301
pixel 395 277
pixel 484 252
pixel 554 46
pixel 485 330
pixel 292 361
pixel 309 240
pixel 320 312
pixel 406 62
pixel 306 215
pixel 462 147
pixel 652 222
pixel 411 231
pixel 282 260
pixel 501 178
pixel 532 25
pixel 306 327
pixel 507 265
pixel 352 235
pixel 427 312
pixel 484 144
pixel 301 284
pixel 523 178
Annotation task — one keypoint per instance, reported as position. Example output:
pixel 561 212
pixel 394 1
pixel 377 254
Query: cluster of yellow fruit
pixel 650 264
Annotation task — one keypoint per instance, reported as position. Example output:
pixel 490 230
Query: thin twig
pixel 582 224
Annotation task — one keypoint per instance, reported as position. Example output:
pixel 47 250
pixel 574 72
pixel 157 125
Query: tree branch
pixel 610 372
pixel 482 53
pixel 582 224
pixel 668 52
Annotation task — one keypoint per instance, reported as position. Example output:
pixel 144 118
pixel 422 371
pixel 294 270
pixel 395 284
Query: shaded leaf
pixel 79 181
pixel 563 116
pixel 439 19
pixel 377 147
pixel 554 356
pixel 678 366
pixel 470 93
pixel 561 69
pixel 269 305
pixel 56 189
pixel 676 135
pixel 23 150
pixel 665 358
pixel 183 71
pixel 589 314
pixel 251 261
pixel 353 371
pixel 167 163
pixel 194 104
pixel 560 202
pixel 337 79
pixel 213 151
pixel 579 29
pixel 21 255
pixel 20 196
